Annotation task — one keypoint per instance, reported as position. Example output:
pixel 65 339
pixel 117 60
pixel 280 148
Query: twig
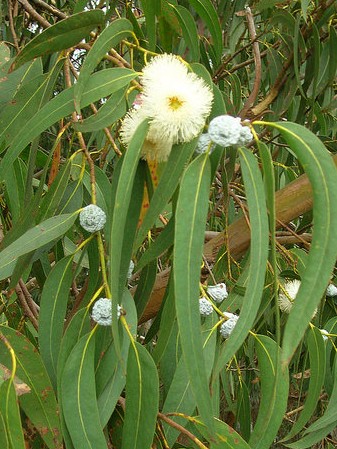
pixel 257 60
pixel 181 429
pixel 50 9
pixel 80 137
pixel 25 307
pixel 42 21
pixel 94 109
pixel 11 26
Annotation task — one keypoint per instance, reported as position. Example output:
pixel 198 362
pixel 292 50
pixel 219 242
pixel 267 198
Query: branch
pixel 257 60
pixel 42 21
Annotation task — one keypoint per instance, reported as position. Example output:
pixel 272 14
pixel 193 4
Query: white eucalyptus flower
pixel 227 327
pixel 205 307
pixel 152 149
pixel 218 292
pixel 226 130
pixel 287 296
pixel 102 312
pixel 92 218
pixel 176 101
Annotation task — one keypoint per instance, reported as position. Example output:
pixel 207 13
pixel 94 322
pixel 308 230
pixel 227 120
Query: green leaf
pixel 323 425
pixel 192 208
pixel 189 31
pixel 100 84
pixel 258 256
pixel 3 434
pixel 79 404
pixel 110 112
pixel 10 411
pixel 316 348
pixel 45 232
pixel 64 34
pixel 322 173
pixel 78 326
pixel 116 367
pixel 40 404
pixel 120 212
pixel 208 14
pixel 52 198
pixel 119 29
pixel 226 436
pixel 142 399
pixel 53 307
pixel 30 97
pixel 10 83
pixel 180 397
pixel 274 393
pixel 150 10
pixel 167 185
pixel 159 246
pixel 145 286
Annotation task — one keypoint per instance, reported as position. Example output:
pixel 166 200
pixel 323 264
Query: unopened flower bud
pixel 102 312
pixel 92 218
pixel 205 307
pixel 218 292
pixel 204 144
pixel 227 327
pixel 226 130
pixel 331 290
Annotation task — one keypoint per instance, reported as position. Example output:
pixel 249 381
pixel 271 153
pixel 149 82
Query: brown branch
pixel 257 61
pixel 181 429
pixel 51 9
pixel 33 13
pixel 25 307
pixel 11 26
pixel 292 201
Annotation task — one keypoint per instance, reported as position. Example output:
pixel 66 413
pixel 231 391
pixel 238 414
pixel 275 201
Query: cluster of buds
pixel 218 293
pixel 224 130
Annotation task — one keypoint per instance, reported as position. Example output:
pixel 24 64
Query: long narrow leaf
pixel 258 256
pixel 79 402
pixel 142 399
pixel 109 38
pixel 322 174
pixel 192 208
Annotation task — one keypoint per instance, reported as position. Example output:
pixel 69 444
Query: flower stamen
pixel 175 103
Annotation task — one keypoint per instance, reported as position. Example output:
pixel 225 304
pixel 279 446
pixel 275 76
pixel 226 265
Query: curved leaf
pixel 79 404
pixel 64 34
pixel 274 393
pixel 40 404
pixel 142 399
pixel 192 208
pixel 207 12
pixel 189 30
pixel 322 173
pixel 53 307
pixel 317 371
pixel 109 38
pixel 45 232
pixel 100 85
pixel 258 256
pixel 167 185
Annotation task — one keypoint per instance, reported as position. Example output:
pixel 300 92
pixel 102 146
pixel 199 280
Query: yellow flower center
pixel 175 103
